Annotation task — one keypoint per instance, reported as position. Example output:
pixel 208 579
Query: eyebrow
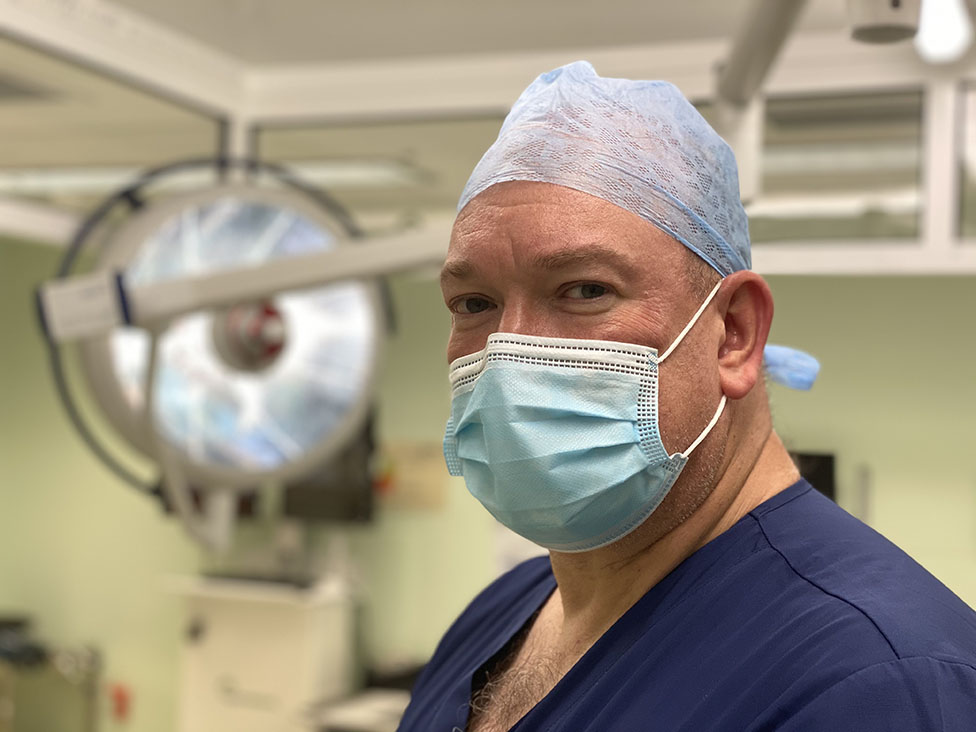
pixel 594 254
pixel 457 269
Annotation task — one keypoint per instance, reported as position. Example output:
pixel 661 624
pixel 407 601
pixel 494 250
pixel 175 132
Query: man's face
pixel 545 260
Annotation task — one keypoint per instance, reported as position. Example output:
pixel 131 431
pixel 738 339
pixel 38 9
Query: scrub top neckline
pixel 654 601
pixel 538 597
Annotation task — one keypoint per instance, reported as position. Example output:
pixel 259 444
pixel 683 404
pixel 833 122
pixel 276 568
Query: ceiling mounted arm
pixel 755 48
pixel 738 103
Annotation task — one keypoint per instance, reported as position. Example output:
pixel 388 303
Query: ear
pixel 746 304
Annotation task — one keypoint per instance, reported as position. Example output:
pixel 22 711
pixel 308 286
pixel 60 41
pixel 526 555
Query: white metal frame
pixel 109 38
pixel 124 44
pixel 87 305
pixel 30 220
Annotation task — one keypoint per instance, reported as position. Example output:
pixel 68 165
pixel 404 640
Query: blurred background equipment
pixel 46 688
pixel 233 378
pixel 270 682
pixel 819 470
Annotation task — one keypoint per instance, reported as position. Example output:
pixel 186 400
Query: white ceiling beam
pixel 125 44
pixel 863 258
pixel 457 85
pixel 810 63
pixel 756 46
pixel 814 63
pixel 35 221
pixel 114 40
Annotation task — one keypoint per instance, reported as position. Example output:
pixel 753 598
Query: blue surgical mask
pixel 559 438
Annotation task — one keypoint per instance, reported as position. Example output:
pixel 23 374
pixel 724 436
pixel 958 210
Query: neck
pixel 595 588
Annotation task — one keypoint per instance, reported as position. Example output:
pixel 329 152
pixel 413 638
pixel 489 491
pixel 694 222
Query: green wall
pixel 897 396
pixel 79 552
pixel 87 557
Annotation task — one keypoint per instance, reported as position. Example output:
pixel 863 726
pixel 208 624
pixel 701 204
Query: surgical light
pixel 230 334
pixel 237 408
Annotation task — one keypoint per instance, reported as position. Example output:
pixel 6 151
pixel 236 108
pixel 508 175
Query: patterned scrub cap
pixel 642 146
pixel 638 144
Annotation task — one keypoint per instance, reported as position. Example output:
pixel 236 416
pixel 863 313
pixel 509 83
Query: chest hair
pixel 515 681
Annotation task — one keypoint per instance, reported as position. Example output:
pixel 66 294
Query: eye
pixel 586 291
pixel 471 305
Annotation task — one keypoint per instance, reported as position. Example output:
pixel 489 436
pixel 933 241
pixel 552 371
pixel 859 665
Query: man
pixel 609 404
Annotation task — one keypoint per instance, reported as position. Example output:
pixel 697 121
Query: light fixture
pixel 237 400
pixel 266 384
pixel 945 31
pixel 883 21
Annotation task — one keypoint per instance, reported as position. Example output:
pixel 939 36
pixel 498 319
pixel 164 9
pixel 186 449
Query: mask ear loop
pixel 691 323
pixel 704 434
pixel 674 344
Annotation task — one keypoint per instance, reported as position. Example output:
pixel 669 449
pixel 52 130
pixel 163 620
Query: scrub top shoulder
pixel 798 618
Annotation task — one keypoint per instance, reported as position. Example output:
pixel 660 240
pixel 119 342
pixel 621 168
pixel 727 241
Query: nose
pixel 522 316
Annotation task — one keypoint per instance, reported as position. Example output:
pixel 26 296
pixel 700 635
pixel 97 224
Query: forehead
pixel 527 222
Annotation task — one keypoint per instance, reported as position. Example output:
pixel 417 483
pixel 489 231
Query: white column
pixel 942 156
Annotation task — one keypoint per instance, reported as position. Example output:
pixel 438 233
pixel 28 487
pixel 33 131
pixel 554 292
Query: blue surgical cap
pixel 638 144
pixel 642 146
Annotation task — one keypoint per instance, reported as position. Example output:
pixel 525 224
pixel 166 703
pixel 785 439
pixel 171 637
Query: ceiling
pixel 307 31
pixel 60 115
pixel 65 114
pixel 56 114
pixel 863 132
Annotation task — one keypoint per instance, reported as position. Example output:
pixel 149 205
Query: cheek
pixel 469 333
pixel 689 394
pixel 465 341
pixel 454 347
pixel 631 325
pixel 672 404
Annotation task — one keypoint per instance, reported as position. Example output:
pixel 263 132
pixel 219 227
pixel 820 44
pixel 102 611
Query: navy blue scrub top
pixel 799 617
